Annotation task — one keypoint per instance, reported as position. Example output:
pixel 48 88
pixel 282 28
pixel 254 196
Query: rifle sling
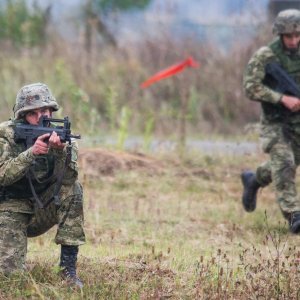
pixel 57 187
pixel 35 196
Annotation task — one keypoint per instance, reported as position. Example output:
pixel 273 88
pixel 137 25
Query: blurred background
pixel 94 54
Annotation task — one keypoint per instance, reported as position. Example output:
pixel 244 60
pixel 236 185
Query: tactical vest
pixel 291 64
pixel 42 176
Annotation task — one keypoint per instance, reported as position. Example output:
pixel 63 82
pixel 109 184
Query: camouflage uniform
pixel 19 215
pixel 280 135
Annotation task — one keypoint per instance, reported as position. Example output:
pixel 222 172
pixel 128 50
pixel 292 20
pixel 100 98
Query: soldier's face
pixel 291 40
pixel 33 116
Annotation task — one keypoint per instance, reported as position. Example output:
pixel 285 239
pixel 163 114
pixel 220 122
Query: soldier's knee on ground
pixel 13 241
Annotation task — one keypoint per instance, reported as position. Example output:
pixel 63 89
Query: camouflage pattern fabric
pixel 68 216
pixel 280 139
pixel 255 74
pixel 19 216
pixel 33 96
pixel 16 227
pixel 283 146
pixel 287 21
pixel 15 162
pixel 13 241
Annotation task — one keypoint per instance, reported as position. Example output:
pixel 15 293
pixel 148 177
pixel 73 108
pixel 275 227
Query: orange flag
pixel 170 71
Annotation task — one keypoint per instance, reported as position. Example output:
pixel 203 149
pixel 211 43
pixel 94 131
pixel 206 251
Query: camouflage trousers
pixel 15 227
pixel 282 143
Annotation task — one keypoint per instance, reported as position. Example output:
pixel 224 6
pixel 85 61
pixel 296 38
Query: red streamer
pixel 170 71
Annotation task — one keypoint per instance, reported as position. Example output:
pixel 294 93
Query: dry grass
pixel 157 227
pixel 179 233
pixel 96 86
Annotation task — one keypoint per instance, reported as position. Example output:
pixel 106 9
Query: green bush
pixel 21 25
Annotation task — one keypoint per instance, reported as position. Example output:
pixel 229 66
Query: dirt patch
pixel 95 162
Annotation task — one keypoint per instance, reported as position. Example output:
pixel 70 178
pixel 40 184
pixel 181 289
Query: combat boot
pixel 295 222
pixel 68 260
pixel 251 187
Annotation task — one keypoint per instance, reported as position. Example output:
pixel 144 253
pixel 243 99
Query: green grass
pixel 179 234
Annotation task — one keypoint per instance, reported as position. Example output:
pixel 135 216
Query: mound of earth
pixel 95 162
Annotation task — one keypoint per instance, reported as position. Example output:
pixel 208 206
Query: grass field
pixel 163 228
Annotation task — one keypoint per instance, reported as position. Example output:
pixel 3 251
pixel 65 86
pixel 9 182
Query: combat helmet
pixel 33 96
pixel 287 21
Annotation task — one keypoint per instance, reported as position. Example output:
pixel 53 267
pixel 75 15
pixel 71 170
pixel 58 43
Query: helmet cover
pixel 34 96
pixel 287 21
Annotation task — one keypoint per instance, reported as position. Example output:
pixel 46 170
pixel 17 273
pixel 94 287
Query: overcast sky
pixel 196 17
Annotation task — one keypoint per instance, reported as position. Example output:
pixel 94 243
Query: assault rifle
pixel 279 80
pixel 29 133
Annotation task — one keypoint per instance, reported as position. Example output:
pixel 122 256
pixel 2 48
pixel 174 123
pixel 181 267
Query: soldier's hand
pixel 55 142
pixel 290 102
pixel 40 146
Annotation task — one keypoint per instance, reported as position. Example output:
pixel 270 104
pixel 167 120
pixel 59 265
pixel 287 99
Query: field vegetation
pixel 159 225
pixel 100 82
pixel 163 228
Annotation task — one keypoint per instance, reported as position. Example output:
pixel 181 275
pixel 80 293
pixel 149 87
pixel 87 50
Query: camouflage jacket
pixel 16 160
pixel 253 81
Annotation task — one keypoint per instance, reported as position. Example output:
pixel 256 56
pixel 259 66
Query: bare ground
pixel 99 161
